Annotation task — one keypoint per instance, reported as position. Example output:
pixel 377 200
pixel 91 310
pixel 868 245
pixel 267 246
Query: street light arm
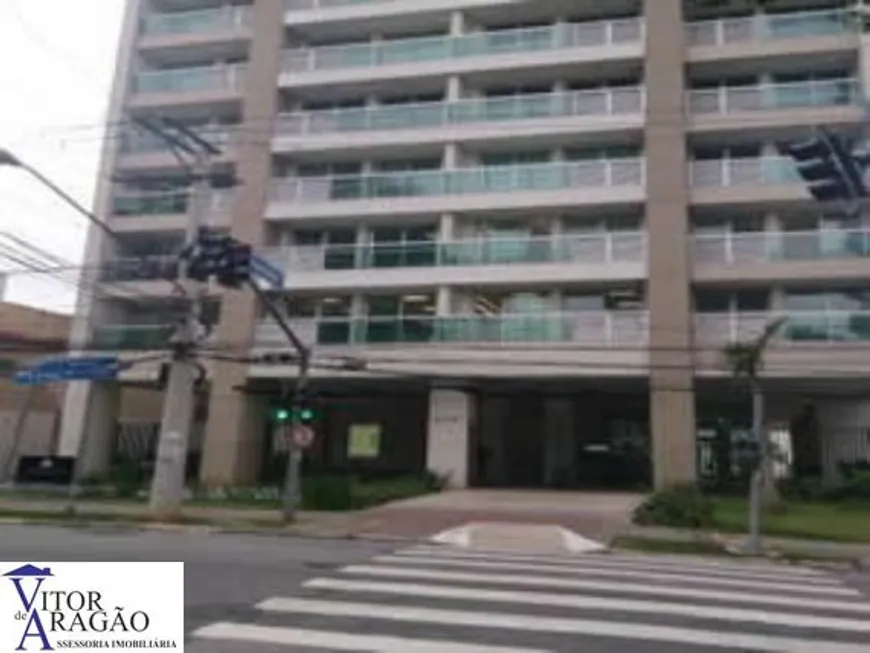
pixel 7 158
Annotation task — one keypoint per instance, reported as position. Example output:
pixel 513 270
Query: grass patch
pixel 837 522
pixel 651 545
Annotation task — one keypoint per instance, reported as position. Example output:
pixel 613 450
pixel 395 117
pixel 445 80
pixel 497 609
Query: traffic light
pixel 209 254
pixel 830 170
pixel 281 415
pixel 235 268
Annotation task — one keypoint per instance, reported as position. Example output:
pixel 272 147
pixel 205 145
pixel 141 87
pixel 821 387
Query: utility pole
pixel 167 489
pixel 292 478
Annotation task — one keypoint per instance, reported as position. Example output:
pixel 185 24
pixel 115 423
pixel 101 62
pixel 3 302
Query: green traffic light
pixel 282 415
pixel 306 415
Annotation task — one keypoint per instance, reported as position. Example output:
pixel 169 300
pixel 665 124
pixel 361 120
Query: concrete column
pixel 91 432
pixel 560 447
pixel 233 441
pixel 447 440
pixel 91 311
pixel 672 400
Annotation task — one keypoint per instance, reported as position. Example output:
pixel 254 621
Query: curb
pixel 203 529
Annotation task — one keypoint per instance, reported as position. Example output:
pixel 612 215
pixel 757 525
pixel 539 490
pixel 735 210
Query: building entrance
pixel 582 440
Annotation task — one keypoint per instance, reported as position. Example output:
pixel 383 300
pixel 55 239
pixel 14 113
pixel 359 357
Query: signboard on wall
pixel 364 441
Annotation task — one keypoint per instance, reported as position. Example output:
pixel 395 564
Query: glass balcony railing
pixel 302 5
pixel 141 268
pixel 480 44
pixel 760 28
pixel 133 337
pixel 200 21
pixel 622 328
pixel 167 203
pixel 766 246
pixel 749 171
pixel 735 99
pixel 190 80
pixel 604 102
pixel 462 181
pixel 799 326
pixel 137 142
pixel 615 247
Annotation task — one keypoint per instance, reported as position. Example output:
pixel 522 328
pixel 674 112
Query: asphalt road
pixel 338 595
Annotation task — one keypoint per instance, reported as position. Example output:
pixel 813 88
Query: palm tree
pixel 745 360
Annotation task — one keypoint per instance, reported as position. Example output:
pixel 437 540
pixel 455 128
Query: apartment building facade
pixel 537 223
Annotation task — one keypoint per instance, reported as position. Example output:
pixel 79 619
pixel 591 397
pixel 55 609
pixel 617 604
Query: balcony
pixel 204 84
pixel 485 187
pixel 143 210
pixel 769 29
pixel 799 327
pixel 775 246
pixel 827 255
pixel 607 329
pixel 141 268
pixel 746 180
pixel 144 150
pixel 304 5
pixel 480 262
pixel 761 106
pixel 132 337
pixel 480 118
pixel 202 22
pixel 561 44
pixel 810 344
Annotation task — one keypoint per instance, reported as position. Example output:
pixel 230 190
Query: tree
pixel 745 360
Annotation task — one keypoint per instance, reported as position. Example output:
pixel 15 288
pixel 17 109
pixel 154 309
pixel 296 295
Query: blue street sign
pixel 264 270
pixel 95 368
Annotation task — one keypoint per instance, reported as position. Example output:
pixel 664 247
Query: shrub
pixel 376 492
pixel 327 493
pixel 803 489
pixel 683 506
pixel 854 486
pixel 127 478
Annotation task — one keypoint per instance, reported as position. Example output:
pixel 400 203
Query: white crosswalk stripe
pixel 437 599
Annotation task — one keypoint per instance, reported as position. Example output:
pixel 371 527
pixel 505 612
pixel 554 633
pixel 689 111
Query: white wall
pixel 447 438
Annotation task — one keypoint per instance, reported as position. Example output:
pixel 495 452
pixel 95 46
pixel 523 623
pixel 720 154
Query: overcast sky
pixel 56 62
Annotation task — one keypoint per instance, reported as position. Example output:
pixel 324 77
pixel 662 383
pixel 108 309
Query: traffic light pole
pixel 292 478
pixel 167 489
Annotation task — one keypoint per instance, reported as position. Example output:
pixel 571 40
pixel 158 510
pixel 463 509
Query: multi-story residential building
pixel 537 221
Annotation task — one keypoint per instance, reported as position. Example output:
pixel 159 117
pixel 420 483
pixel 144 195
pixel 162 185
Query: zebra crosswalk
pixel 430 598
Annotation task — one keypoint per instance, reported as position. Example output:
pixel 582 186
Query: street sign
pixel 94 368
pixel 265 271
pixel 303 436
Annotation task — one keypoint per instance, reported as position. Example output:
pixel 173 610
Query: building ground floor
pixel 571 434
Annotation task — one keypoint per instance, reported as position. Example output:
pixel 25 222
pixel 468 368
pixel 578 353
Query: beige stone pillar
pixel 672 398
pixel 232 450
